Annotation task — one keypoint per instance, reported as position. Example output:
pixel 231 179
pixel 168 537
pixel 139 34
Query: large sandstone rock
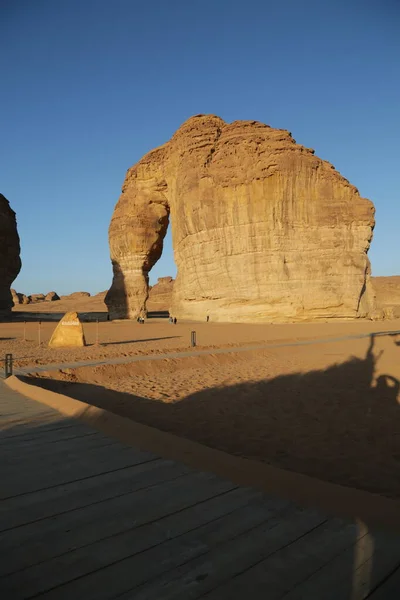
pixel 10 262
pixel 160 295
pixel 68 333
pixel 262 229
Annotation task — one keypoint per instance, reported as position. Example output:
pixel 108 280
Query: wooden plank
pixel 286 568
pixel 50 537
pixel 224 561
pixel 98 461
pixel 24 459
pixel 389 589
pixel 244 533
pixel 94 557
pixel 11 415
pixel 57 456
pixel 12 419
pixel 27 508
pixel 377 568
pixel 37 431
pixel 355 572
pixel 30 445
pixel 41 432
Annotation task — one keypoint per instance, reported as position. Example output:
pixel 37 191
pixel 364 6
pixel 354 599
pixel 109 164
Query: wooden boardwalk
pixel 84 517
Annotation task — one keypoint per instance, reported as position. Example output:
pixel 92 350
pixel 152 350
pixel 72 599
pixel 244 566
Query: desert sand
pixel 305 399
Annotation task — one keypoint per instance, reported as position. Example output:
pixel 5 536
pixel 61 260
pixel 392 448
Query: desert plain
pixel 319 398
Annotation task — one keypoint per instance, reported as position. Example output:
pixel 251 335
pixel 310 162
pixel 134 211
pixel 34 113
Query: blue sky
pixel 89 86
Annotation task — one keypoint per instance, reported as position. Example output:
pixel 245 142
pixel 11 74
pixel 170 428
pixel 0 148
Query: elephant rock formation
pixel 262 229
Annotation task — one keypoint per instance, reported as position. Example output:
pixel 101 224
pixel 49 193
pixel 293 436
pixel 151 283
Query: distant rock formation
pixel 51 297
pixel 14 297
pixel 10 262
pixel 387 290
pixel 76 295
pixel 19 298
pixel 68 333
pixel 36 298
pixel 160 295
pixel 262 229
pixel 100 295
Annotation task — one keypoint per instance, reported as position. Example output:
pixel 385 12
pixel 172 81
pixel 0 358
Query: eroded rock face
pixel 262 229
pixel 160 295
pixel 10 262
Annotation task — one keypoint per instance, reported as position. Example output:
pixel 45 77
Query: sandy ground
pixel 330 410
pixel 127 338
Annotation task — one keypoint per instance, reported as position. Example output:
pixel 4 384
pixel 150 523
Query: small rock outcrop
pixel 160 295
pixel 36 298
pixel 10 262
pixel 19 298
pixel 68 333
pixel 76 295
pixel 51 297
pixel 262 229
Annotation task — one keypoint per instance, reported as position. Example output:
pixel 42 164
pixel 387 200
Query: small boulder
pixel 68 333
pixel 51 297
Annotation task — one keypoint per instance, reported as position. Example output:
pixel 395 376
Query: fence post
pixel 193 339
pixel 8 365
pixel 40 333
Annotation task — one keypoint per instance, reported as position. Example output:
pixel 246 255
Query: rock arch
pixel 262 229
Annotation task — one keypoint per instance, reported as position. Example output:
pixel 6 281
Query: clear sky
pixel 89 86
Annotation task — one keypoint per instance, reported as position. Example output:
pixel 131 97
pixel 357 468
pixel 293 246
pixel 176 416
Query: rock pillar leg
pixel 136 235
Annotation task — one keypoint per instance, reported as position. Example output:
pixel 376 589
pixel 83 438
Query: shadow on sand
pixel 339 424
pixel 137 341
